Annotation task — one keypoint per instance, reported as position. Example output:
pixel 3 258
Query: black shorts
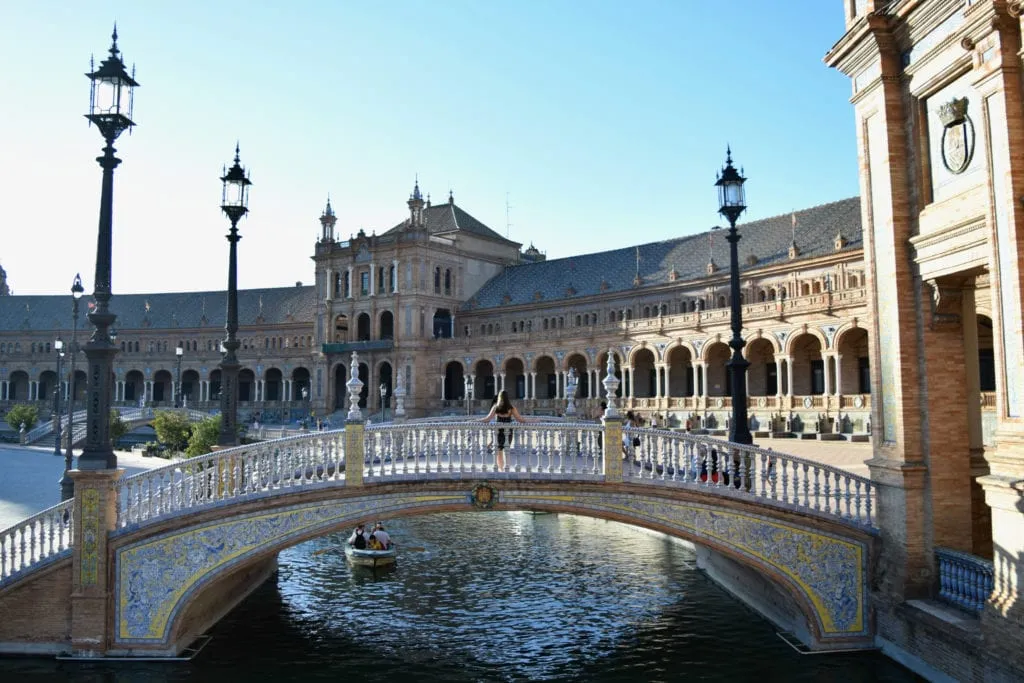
pixel 501 438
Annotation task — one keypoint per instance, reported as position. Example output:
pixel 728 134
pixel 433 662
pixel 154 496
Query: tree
pixel 172 429
pixel 22 413
pixel 118 428
pixel 204 436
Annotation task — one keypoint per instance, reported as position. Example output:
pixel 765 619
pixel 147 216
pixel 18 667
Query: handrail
pixel 36 539
pixel 965 581
pixel 767 475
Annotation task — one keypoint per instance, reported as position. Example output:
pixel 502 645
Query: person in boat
pixel 374 543
pixel 383 536
pixel 503 412
pixel 358 538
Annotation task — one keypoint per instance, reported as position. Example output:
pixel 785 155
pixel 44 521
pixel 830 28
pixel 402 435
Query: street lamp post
pixel 59 347
pixel 110 109
pixel 383 406
pixel 469 395
pixel 67 484
pixel 179 352
pixel 731 203
pixel 234 203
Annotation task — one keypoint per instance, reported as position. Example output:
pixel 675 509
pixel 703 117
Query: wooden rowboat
pixel 371 558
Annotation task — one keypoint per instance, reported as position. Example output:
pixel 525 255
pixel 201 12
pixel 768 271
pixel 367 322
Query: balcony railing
pixel 965 581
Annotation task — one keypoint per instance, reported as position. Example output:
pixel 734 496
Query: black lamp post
pixel 731 203
pixel 234 202
pixel 67 484
pixel 179 352
pixel 110 108
pixel 59 347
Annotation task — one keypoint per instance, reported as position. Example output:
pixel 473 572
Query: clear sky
pixel 602 123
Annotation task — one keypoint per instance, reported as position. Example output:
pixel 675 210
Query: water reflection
pixel 492 597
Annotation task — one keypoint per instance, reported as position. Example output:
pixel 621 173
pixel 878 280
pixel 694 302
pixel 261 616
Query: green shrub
pixel 118 428
pixel 22 413
pixel 172 429
pixel 204 437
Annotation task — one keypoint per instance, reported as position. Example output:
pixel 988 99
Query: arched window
pixel 664 309
pixel 448 281
pixel 337 285
pixel 561 322
pixel 33 347
pixel 393 279
pixel 483 329
pixel 437 280
pixel 579 321
pixel 513 326
pixel 490 329
pixel 761 296
pixel 647 311
pixel 545 324
pixel 629 314
pixel 529 325
pixel 380 281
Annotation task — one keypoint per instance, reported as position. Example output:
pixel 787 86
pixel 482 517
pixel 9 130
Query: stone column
pixel 373 280
pixel 827 367
pixel 442 388
pixel 502 378
pixel 95 516
pixel 348 280
pixel 789 376
pixel 657 381
pixel 394 283
pixel 532 386
pixel 779 375
pixel 839 374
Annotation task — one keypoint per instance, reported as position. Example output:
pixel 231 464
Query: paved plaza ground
pixel 29 476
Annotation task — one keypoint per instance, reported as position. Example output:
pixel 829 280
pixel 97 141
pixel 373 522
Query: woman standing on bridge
pixel 504 412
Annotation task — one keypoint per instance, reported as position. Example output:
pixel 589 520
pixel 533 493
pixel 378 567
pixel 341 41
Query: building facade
pixel 940 127
pixel 462 313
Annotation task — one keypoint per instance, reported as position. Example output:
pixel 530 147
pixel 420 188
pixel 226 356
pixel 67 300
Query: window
pixel 381 289
pixel 448 281
pixel 864 373
pixel 348 285
pixel 437 280
pixel 364 283
pixel 337 284
pixel 817 377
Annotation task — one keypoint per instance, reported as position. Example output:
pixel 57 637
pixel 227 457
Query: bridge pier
pixel 95 516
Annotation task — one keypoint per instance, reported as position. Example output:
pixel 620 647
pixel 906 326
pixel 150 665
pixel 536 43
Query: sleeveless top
pixel 506 418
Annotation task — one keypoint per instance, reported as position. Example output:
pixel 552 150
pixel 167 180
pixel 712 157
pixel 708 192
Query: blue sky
pixel 603 123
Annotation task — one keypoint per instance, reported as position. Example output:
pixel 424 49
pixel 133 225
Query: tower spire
pixel 327 222
pixel 416 205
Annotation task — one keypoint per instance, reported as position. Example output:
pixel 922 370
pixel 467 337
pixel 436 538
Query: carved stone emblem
pixel 957 135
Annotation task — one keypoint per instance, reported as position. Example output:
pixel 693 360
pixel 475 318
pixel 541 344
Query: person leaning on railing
pixel 504 412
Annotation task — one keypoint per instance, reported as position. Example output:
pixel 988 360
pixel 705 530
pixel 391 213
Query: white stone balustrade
pixel 40 538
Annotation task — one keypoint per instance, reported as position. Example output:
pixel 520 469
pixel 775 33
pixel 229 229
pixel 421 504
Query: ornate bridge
pixel 149 562
pixel 132 417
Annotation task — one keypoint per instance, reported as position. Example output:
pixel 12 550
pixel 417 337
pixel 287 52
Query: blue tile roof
pixel 615 271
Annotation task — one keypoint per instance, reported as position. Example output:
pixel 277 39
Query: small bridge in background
pixel 132 417
pixel 149 562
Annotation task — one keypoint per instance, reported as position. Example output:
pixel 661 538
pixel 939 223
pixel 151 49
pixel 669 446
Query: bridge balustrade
pixel 39 538
pixel 667 457
pixel 447 449
pixel 436 448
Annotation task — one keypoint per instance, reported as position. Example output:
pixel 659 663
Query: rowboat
pixel 371 558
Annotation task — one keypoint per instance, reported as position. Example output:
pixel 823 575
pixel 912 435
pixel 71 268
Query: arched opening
pixel 246 385
pixel 387 325
pixel 719 381
pixel 301 389
pixel 578 362
pixel 134 387
pixel 47 385
pixel 18 386
pixel 515 378
pixel 679 364
pixel 78 390
pixel 273 385
pixel 190 386
pixel 547 381
pixel 762 374
pixel 214 385
pixel 364 377
pixel 385 375
pixel 454 384
pixel 645 383
pixel 483 383
pixel 163 391
pixel 808 366
pixel 341 328
pixel 854 366
pixel 442 324
pixel 363 327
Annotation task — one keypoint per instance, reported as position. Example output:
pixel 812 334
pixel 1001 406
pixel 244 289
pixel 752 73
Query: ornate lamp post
pixel 67 484
pixel 469 392
pixel 110 108
pixel 179 351
pixel 234 203
pixel 383 406
pixel 731 203
pixel 59 347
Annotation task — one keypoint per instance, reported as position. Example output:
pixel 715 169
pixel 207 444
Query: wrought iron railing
pixel 965 581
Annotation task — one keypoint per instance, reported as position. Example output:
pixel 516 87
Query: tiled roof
pixel 615 271
pixel 163 311
pixel 448 217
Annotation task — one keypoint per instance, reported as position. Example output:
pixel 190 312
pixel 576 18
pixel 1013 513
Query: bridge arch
pixel 155 610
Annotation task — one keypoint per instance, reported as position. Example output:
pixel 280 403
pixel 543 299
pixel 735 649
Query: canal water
pixel 490 596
